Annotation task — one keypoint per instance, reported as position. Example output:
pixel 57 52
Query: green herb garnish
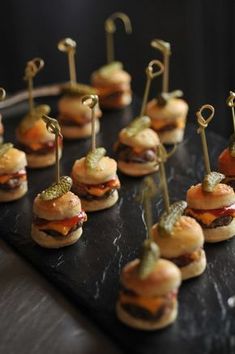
pixel 169 219
pixel 211 180
pixel 110 68
pixel 4 148
pixel 56 190
pixel 137 125
pixel 78 89
pixel 149 255
pixel 93 157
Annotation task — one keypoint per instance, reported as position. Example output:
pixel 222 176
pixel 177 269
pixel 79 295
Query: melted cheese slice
pixel 56 226
pixel 97 191
pixel 208 217
pixel 152 304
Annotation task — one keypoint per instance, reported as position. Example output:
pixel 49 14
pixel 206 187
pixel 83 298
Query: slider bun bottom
pixel 137 169
pixel 95 205
pixel 171 137
pixel 220 233
pixel 167 318
pixel 39 161
pixel 195 268
pixel 47 241
pixel 7 196
pixel 76 132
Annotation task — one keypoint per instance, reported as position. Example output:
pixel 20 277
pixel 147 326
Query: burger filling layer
pixel 80 122
pixel 161 125
pixel 146 308
pixel 12 181
pixel 129 154
pixel 213 218
pixel 96 191
pixel 186 259
pixel 39 148
pixel 60 228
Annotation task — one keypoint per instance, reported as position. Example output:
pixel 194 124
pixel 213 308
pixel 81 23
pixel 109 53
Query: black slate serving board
pixel 88 272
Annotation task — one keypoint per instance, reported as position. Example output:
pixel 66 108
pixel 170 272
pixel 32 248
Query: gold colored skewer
pixel 54 128
pixel 32 68
pixel 230 103
pixel 68 45
pixel 2 94
pixel 163 156
pixel 110 29
pixel 91 101
pixel 165 48
pixel 150 75
pixel 148 191
pixel 203 123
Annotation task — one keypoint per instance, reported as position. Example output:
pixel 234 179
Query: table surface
pixel 34 317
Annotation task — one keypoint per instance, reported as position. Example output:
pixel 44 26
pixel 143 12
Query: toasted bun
pixel 220 233
pixel 137 169
pixel 226 163
pixel 47 241
pixel 36 133
pixel 95 205
pixel 165 277
pixel 12 161
pixel 173 136
pixel 45 160
pixel 76 132
pixel 118 76
pixel 64 207
pixel 195 268
pixel 174 108
pixel 72 106
pixel 145 139
pixel 166 319
pixel 116 102
pixel 187 236
pixel 8 196
pixel 223 195
pixel 105 171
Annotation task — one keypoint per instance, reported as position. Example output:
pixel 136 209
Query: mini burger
pixel 75 117
pixel 227 163
pixel 212 204
pixel 113 86
pixel 57 216
pixel 1 130
pixel 149 302
pixel 95 180
pixel 13 177
pixel 180 239
pixel 34 138
pixel 136 148
pixel 168 117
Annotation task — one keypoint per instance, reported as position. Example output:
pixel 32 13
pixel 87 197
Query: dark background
pixel 201 33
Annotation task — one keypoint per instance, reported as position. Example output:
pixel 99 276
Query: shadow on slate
pixel 88 272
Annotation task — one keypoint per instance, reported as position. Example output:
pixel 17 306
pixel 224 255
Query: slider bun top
pixel 174 108
pixel 12 161
pixel 145 139
pixel 222 196
pixel 165 277
pixel 72 106
pixel 117 76
pixel 227 163
pixel 64 207
pixel 105 171
pixel 35 133
pixel 187 237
